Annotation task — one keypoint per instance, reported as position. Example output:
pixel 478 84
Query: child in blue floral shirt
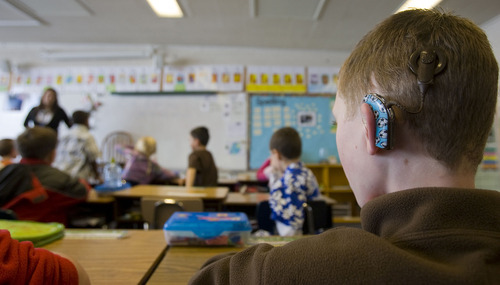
pixel 291 183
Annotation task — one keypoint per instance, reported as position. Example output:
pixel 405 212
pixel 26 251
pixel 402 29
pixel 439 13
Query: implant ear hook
pixel 425 64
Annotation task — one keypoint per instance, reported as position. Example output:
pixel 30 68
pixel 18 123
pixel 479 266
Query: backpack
pixel 18 182
pixel 22 192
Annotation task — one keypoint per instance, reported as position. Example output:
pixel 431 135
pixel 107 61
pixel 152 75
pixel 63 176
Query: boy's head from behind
pixel 37 143
pixel 459 106
pixel 201 135
pixel 287 142
pixel 81 118
pixel 146 146
pixel 7 148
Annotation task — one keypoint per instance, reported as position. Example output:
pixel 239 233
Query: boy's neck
pixel 286 162
pixel 200 147
pixel 83 125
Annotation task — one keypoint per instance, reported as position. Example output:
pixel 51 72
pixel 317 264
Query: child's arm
pixel 190 176
pixel 22 263
pixel 83 277
pixel 274 170
pixel 264 171
pixel 126 150
pixel 92 153
pixel 164 175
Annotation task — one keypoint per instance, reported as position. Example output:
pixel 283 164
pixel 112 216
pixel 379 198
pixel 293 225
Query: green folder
pixel 38 233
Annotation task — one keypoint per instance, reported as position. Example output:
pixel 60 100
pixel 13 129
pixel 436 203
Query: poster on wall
pixel 89 79
pixel 322 80
pixel 173 79
pixel 273 79
pixel 4 81
pixel 15 101
pixel 223 78
pixel 309 115
pixel 229 78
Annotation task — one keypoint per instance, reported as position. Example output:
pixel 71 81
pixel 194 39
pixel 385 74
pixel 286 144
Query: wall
pixel 26 56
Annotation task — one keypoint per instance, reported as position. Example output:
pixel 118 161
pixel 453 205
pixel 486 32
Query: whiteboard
pixel 169 119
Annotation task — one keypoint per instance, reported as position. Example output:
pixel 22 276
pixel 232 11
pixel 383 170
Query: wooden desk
pixel 212 196
pixel 235 184
pixel 180 263
pixel 204 193
pixel 116 261
pixel 95 198
pixel 252 199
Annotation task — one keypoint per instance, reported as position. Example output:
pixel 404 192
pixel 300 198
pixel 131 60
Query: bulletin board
pixel 310 115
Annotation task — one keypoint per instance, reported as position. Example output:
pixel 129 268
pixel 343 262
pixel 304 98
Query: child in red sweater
pixel 22 263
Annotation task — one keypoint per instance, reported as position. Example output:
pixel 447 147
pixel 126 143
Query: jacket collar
pixel 33 161
pixel 399 215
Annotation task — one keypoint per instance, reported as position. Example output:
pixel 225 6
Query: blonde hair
pixel 146 146
pixel 458 110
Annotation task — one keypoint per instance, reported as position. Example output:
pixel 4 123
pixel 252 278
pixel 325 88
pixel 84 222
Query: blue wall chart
pixel 311 116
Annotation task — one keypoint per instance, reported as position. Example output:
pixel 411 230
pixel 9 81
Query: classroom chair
pixel 6 214
pixel 263 215
pixel 108 146
pixel 155 211
pixel 318 217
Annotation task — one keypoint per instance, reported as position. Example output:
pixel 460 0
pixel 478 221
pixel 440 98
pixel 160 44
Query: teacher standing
pixel 48 113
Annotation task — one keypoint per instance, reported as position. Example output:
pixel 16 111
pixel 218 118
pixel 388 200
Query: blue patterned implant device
pixel 384 118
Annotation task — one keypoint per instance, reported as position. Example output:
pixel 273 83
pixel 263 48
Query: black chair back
pixel 321 217
pixel 318 217
pixel 6 214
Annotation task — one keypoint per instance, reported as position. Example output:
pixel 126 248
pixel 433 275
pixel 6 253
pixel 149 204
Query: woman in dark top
pixel 48 113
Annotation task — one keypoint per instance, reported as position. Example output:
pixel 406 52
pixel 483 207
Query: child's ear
pixel 276 152
pixel 51 157
pixel 369 123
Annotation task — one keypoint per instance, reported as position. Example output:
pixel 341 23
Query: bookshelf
pixel 333 183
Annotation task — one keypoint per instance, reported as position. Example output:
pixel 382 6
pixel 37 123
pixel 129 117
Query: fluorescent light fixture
pixel 418 4
pixel 166 8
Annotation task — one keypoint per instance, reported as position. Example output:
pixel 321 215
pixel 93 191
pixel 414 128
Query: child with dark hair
pixel 291 183
pixel 202 170
pixel 8 152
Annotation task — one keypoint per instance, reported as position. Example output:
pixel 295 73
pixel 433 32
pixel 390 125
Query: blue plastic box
pixel 207 229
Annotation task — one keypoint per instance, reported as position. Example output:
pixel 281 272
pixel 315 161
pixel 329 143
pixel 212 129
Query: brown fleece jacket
pixel 416 236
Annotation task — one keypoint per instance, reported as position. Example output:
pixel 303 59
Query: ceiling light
pixel 166 8
pixel 418 4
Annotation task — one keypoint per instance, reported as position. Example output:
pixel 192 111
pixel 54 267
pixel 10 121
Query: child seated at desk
pixel 291 183
pixel 77 151
pixel 61 192
pixel 8 152
pixel 201 170
pixel 141 169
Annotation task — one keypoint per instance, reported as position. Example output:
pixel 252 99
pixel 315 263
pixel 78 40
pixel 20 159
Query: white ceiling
pixel 285 24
